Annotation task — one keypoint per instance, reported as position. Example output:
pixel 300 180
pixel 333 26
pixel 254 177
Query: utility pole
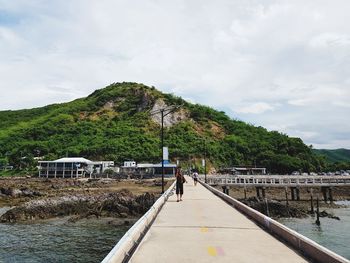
pixel 205 162
pixel 162 142
pixel 164 112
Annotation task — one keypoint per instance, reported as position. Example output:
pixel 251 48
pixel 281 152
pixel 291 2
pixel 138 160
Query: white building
pixel 149 169
pixel 72 167
pixel 129 164
pixel 102 166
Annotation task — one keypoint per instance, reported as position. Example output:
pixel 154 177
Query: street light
pixel 164 112
pixel 205 162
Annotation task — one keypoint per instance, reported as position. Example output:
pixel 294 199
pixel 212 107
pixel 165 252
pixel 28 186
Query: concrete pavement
pixel 203 228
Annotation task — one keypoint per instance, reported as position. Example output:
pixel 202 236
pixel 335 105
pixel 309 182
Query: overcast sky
pixel 283 65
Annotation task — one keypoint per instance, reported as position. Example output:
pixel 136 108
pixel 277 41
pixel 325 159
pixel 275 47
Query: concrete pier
pixel 204 228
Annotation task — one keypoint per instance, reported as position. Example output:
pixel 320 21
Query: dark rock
pixel 157 182
pixel 30 193
pixel 123 215
pixel 274 208
pixel 326 214
pixel 120 204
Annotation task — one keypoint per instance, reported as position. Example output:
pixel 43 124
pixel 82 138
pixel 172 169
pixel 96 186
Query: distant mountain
pixel 116 123
pixel 338 155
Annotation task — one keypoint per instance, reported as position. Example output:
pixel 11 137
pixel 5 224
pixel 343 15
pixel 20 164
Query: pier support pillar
pixel 327 193
pixel 297 191
pixel 324 191
pixel 286 192
pixel 330 194
pixel 226 190
pixel 292 193
pixel 245 193
pixel 263 192
pixel 312 210
pixel 258 192
pixel 317 213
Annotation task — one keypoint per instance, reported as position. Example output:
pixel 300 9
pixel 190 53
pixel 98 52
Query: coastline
pixel 32 199
pixel 276 206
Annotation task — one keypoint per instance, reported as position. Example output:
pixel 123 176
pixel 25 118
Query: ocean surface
pixel 90 241
pixel 58 241
pixel 332 234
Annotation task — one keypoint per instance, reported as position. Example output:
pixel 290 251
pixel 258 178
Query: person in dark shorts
pixel 195 178
pixel 180 180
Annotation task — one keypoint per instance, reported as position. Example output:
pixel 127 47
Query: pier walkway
pixel 204 228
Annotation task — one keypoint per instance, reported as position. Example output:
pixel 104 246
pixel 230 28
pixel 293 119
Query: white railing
pixel 276 180
pixel 302 244
pixel 123 249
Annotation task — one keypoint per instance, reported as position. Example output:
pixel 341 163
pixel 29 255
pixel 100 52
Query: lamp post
pixel 164 112
pixel 162 142
pixel 205 162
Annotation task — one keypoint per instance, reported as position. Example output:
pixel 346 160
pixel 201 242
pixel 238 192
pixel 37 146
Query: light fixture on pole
pixel 164 112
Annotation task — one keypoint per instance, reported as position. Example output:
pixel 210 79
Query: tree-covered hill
pixel 337 155
pixel 116 123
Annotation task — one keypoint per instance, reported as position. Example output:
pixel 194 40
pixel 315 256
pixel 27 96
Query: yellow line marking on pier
pixel 212 251
pixel 204 229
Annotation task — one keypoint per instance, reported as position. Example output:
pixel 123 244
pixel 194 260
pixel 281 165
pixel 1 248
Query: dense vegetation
pixel 115 123
pixel 338 155
pixel 338 159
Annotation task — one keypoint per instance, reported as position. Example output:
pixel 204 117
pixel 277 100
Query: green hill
pixel 115 123
pixel 338 155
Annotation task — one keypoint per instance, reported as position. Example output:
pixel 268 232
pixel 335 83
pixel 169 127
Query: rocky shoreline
pixel 277 209
pixel 121 205
pixel 275 205
pixel 33 199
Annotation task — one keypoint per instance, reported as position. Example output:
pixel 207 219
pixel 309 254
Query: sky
pixel 283 65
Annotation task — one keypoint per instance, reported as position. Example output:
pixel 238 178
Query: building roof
pixel 145 165
pixel 151 165
pixel 167 165
pixel 248 168
pixel 73 160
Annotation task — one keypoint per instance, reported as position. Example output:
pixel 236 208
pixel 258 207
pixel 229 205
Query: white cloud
pixel 329 40
pixel 255 108
pixel 272 63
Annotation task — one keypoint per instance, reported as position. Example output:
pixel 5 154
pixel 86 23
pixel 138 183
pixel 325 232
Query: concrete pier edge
pixel 127 244
pixel 302 244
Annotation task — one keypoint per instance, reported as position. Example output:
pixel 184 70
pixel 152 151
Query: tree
pixel 3 162
pixel 108 172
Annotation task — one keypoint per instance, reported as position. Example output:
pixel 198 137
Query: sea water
pixel 58 241
pixel 90 241
pixel 332 234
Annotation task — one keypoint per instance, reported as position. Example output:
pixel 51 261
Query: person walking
pixel 195 178
pixel 180 180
